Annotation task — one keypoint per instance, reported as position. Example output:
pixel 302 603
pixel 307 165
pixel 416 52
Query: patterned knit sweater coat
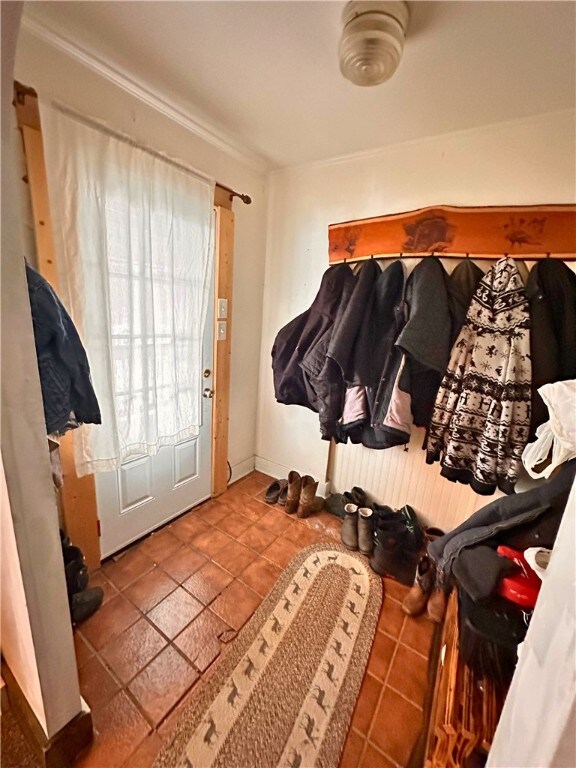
pixel 481 417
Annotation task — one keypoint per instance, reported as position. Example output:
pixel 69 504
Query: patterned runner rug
pixel 284 693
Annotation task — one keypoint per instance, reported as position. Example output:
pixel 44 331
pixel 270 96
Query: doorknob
pixel 209 393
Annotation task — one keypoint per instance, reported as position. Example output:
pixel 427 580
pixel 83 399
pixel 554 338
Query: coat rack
pixel 526 232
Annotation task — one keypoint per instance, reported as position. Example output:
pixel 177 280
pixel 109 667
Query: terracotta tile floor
pixel 175 599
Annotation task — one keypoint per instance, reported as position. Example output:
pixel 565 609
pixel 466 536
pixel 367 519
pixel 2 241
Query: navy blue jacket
pixel 67 389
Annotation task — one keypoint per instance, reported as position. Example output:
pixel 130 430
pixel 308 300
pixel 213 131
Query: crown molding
pixel 197 125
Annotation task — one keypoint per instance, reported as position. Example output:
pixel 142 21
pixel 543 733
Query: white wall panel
pixel 397 477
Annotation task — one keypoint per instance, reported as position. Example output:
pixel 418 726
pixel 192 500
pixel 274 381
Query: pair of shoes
pixel 299 496
pixel 426 593
pixel 357 533
pixel 357 496
pixel 274 491
pixel 336 502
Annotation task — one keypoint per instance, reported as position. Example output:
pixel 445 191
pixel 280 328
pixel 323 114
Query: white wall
pixel 35 604
pixel 54 74
pixel 524 162
pixel 17 643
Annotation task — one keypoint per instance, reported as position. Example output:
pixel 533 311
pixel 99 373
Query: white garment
pixel 133 233
pixel 557 436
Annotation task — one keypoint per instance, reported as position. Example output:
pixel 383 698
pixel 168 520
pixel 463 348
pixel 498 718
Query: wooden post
pixel 222 349
pixel 78 494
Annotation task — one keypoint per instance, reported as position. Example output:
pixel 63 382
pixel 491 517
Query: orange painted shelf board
pixel 485 232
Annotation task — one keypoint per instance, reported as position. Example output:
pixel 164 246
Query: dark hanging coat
pixel 67 392
pixel 300 336
pixel 426 339
pixel 551 290
pixel 462 285
pixel 324 375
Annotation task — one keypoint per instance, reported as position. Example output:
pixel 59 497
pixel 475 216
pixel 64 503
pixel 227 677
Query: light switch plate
pixel 222 309
pixel 221 330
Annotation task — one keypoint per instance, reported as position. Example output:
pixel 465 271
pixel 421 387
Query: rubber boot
pixel 309 502
pixel 349 530
pixel 365 531
pixel 437 603
pixel 293 492
pixel 415 601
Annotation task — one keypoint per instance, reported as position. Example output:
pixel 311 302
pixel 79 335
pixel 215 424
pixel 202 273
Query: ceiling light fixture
pixel 372 40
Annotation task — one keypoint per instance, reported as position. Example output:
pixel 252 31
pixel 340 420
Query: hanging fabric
pixel 555 439
pixel 133 232
pixel 481 418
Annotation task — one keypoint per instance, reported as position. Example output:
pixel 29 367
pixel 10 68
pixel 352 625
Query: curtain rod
pixel 22 91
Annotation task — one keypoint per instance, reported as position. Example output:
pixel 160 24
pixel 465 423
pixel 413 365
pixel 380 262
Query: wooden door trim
pixel 223 289
pixel 78 494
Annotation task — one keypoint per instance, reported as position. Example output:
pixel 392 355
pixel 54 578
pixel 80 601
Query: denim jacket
pixel 62 363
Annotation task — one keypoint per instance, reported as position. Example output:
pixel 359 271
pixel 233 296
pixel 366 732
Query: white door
pixel 147 491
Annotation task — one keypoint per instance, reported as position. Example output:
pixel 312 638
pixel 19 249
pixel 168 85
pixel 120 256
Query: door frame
pixel 77 497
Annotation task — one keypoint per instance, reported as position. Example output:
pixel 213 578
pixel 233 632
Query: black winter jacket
pixel 300 336
pixel 64 371
pixel 551 290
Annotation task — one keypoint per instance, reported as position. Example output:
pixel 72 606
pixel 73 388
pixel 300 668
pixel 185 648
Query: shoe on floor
pixel 85 604
pixel 437 603
pixel 415 601
pixel 349 530
pixel 309 502
pixel 274 490
pixel 335 503
pixel 293 492
pixel 391 558
pixel 365 530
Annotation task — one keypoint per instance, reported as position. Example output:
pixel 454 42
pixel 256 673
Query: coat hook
pixel 401 255
pixel 548 255
pixel 467 255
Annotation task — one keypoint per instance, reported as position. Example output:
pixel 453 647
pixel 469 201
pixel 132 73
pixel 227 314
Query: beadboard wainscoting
pixel 397 477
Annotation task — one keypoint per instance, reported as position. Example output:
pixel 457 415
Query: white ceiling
pixel 267 72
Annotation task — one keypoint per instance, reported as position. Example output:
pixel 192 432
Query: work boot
pixel 309 502
pixel 365 531
pixel 437 603
pixel 293 492
pixel 349 530
pixel 415 601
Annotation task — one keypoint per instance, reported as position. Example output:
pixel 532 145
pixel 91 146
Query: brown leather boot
pixel 365 531
pixel 309 502
pixel 437 603
pixel 415 601
pixel 293 492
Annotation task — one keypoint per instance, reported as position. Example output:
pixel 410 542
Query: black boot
pixel 392 558
pixel 84 604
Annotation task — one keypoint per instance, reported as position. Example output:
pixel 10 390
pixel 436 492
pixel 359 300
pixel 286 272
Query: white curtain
pixel 133 234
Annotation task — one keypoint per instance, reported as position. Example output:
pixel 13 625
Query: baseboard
pixel 63 748
pixel 279 470
pixel 242 468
